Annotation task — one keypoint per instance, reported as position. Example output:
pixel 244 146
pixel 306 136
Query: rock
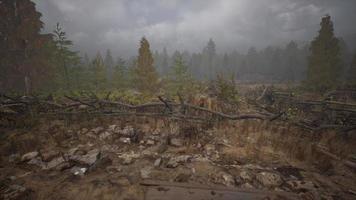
pixel 13 192
pixel 269 179
pixel 247 186
pixel 55 162
pixel 63 166
pixel 49 155
pixel 157 162
pixel 246 176
pixel 127 131
pixel 211 152
pixel 128 158
pixel 176 142
pixel 145 172
pixel 121 181
pixel 72 151
pixel 113 169
pixel 78 171
pixel 300 186
pixel 84 130
pixel 150 142
pixel 105 135
pixel 14 158
pixel 156 132
pixel 175 161
pixel 125 140
pixel 82 107
pixel 88 159
pixel 112 128
pixel 97 130
pixel 182 177
pixel 38 162
pixel 228 179
pixel 29 156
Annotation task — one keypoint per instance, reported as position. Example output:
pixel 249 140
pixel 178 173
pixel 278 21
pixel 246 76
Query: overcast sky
pixel 188 24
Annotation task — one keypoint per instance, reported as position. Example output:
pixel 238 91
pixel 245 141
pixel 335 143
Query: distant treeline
pixel 34 62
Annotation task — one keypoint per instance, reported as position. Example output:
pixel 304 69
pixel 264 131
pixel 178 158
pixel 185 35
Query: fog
pixel 187 25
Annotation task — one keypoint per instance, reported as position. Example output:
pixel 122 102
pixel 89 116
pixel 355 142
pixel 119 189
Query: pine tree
pixel 179 79
pixel 99 73
pixel 120 76
pixel 146 77
pixel 22 46
pixel 66 58
pixel 164 61
pixel 209 55
pixel 109 66
pixel 324 63
pixel 351 77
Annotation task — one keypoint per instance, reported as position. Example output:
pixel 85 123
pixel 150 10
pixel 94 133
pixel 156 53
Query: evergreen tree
pixel 109 66
pixel 165 59
pixel 179 79
pixel 146 77
pixel 120 76
pixel 65 57
pixel 351 77
pixel 86 60
pixel 209 54
pixel 99 73
pixel 22 46
pixel 324 63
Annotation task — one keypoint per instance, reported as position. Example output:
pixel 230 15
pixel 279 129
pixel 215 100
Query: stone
pixel 84 130
pixel 14 158
pixel 157 162
pixel 156 132
pixel 78 171
pixel 175 161
pixel 128 131
pixel 72 151
pixel 125 140
pixel 29 156
pixel 228 179
pixel 121 181
pixel 88 159
pixel 246 176
pixel 150 142
pixel 38 162
pixel 145 172
pixel 128 158
pixel 97 130
pixel 83 107
pixel 13 192
pixel 49 155
pixel 209 149
pixel 182 177
pixel 54 163
pixel 269 179
pixel 105 135
pixel 176 142
pixel 247 186
pixel 113 169
pixel 300 186
pixel 63 166
pixel 112 128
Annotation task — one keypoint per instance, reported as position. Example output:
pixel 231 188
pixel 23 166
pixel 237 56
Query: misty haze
pixel 177 99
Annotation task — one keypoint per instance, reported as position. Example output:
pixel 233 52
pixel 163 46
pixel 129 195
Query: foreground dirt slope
pixel 109 158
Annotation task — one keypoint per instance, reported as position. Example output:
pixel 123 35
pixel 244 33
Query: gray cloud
pixel 188 24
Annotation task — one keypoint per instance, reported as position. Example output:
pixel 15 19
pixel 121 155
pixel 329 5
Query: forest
pixel 268 122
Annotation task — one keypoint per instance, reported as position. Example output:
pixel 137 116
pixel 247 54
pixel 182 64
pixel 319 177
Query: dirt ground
pixel 108 158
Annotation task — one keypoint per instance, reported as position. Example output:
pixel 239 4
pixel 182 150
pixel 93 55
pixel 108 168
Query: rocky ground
pixel 109 159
